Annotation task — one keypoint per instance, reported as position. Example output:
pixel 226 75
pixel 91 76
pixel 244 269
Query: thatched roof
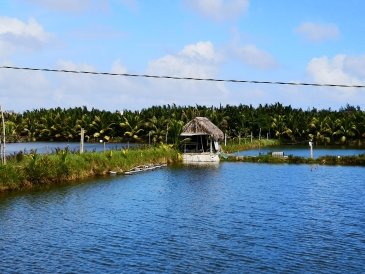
pixel 202 126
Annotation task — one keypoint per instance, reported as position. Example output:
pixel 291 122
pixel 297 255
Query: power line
pixel 184 78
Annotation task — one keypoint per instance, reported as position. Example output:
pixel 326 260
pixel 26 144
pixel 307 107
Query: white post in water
pixel 103 142
pixel 82 141
pixel 311 149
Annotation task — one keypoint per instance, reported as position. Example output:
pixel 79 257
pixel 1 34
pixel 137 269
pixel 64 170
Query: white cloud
pixel 196 60
pixel 315 32
pixel 254 57
pixel 341 69
pixel 200 60
pixel 118 67
pixel 69 5
pixel 21 90
pixel 69 65
pixel 131 4
pixel 18 35
pixel 219 9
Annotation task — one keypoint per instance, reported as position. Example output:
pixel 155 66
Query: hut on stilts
pixel 201 141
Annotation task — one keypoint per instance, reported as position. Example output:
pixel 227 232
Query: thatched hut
pixel 201 138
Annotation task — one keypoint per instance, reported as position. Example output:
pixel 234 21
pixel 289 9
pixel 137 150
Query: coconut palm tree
pixel 279 125
pixel 132 126
pixel 345 128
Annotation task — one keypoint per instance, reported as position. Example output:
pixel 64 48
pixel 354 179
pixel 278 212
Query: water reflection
pixel 49 147
pixel 234 218
pixel 304 151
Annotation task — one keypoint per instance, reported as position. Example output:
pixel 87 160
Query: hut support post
pixel 201 143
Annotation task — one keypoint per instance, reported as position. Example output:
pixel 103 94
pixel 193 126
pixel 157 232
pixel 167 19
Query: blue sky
pixel 301 41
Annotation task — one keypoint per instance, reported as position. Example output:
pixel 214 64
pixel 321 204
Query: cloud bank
pixel 219 10
pixel 16 35
pixel 341 69
pixel 315 32
pixel 252 56
pixel 69 5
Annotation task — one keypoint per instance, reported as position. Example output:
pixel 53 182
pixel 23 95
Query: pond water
pixel 229 218
pixel 49 147
pixel 304 151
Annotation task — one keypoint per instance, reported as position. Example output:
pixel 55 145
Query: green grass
pixel 325 160
pixel 234 146
pixel 44 169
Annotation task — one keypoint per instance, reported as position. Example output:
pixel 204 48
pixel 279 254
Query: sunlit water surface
pixel 231 218
pixel 50 147
pixel 304 151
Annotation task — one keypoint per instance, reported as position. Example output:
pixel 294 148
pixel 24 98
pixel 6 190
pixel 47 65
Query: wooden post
pixel 82 141
pixel 4 142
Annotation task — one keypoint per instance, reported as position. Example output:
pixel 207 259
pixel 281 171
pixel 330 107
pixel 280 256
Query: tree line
pixel 163 124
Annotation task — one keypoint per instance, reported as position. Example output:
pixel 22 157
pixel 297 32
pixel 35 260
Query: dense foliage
pixel 161 124
pixel 63 166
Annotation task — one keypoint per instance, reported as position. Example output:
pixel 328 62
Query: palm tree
pixel 132 125
pixel 157 129
pixel 279 125
pixel 345 128
pixel 175 129
pixel 101 128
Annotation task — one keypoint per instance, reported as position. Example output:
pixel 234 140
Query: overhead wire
pixel 183 78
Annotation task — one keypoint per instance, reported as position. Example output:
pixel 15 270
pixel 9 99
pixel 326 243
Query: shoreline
pixel 358 160
pixel 31 171
pixel 34 170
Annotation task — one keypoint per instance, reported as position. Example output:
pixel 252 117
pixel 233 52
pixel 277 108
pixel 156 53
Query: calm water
pixel 233 218
pixel 304 151
pixel 49 147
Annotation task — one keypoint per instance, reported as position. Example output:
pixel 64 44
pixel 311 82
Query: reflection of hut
pixel 201 141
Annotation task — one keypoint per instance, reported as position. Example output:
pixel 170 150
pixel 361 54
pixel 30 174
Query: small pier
pixel 144 168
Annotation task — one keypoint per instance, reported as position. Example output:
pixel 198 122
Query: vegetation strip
pixel 164 123
pixel 324 160
pixel 27 171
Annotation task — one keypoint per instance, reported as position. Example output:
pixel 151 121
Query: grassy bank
pixel 234 147
pixel 358 160
pixel 27 171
